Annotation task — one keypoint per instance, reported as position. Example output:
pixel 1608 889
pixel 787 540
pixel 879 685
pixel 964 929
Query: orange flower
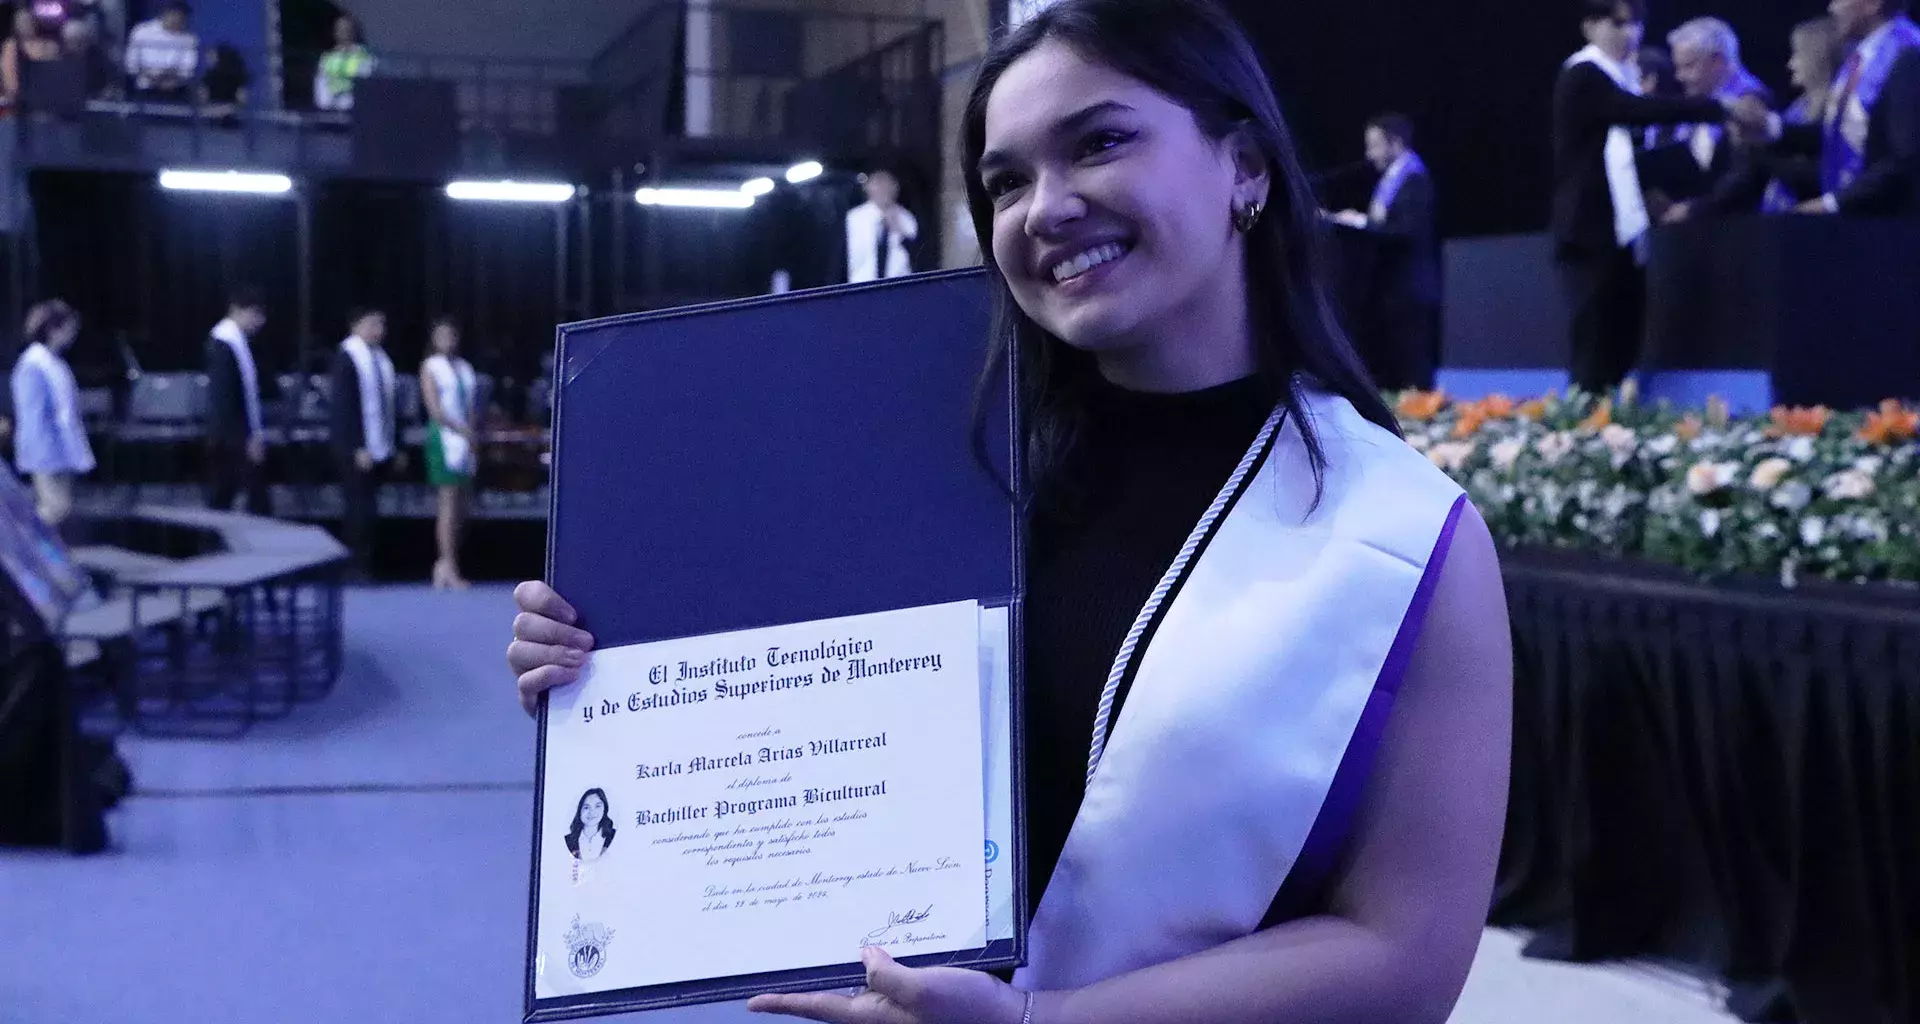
pixel 1496 407
pixel 1688 428
pixel 1798 422
pixel 1892 424
pixel 1422 405
pixel 1472 418
pixel 1533 411
pixel 1601 416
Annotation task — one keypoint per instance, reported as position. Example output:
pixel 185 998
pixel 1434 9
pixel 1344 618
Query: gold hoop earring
pixel 1245 217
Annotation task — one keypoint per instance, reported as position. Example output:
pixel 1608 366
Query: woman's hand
pixel 547 651
pixel 906 995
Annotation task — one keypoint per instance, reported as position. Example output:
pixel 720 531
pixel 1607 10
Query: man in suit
pixel 1600 217
pixel 1706 63
pixel 1869 141
pixel 881 233
pixel 236 435
pixel 1408 312
pixel 363 429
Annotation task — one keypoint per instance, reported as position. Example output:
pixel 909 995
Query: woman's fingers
pixel 538 598
pixel 541 629
pixel 524 656
pixel 538 681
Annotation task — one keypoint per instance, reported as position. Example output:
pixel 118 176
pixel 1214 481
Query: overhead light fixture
pixel 695 198
pixel 510 191
pixel 226 181
pixel 758 187
pixel 805 172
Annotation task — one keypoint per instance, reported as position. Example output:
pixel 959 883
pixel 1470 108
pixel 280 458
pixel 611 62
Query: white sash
pixel 376 395
pixel 1630 217
pixel 454 381
pixel 1254 713
pixel 1389 188
pixel 229 334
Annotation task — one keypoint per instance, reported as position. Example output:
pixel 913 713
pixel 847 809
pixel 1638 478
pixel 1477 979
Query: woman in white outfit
pixel 50 442
pixel 447 384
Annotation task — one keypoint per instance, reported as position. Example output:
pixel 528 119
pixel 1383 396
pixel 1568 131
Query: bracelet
pixel 1026 1012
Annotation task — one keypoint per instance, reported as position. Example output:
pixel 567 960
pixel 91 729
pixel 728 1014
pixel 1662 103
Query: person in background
pixel 1706 60
pixel 225 84
pixel 50 441
pixel 1777 182
pixel 163 57
pixel 1600 217
pixel 880 231
pixel 29 43
pixel 363 429
pixel 1869 142
pixel 348 62
pixel 1403 205
pixel 82 39
pixel 236 432
pixel 448 386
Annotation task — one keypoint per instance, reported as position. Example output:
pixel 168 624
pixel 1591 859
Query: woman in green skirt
pixel 447 384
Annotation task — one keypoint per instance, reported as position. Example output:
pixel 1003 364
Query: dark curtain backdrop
pixel 1477 78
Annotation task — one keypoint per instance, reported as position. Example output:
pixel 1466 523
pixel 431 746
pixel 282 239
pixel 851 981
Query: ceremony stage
pixel 365 860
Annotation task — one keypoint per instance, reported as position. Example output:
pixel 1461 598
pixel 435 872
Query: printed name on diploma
pixel 764 755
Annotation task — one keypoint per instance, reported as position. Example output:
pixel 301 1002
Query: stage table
pixel 1724 775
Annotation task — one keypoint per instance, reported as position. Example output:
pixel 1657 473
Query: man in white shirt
pixel 162 56
pixel 236 431
pixel 364 431
pixel 880 232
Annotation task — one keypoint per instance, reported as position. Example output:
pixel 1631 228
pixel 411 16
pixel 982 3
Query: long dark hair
pixel 606 822
pixel 1193 52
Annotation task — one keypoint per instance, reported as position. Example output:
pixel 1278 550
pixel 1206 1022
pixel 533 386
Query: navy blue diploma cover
pixel 780 460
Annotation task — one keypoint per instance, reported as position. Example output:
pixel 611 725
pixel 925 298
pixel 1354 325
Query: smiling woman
pixel 1266 647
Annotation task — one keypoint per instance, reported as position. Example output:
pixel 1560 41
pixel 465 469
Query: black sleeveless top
pixel 1153 464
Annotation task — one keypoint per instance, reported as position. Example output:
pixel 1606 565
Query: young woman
pixel 1267 653
pixel 50 441
pixel 447 385
pixel 29 44
pixel 592 829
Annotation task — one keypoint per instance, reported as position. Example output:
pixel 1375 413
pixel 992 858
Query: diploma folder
pixel 776 460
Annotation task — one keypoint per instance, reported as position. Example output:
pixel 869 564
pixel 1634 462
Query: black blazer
pixel 346 431
pixel 1890 184
pixel 1586 106
pixel 226 395
pixel 1412 216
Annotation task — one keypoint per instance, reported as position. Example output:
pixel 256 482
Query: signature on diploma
pixel 896 918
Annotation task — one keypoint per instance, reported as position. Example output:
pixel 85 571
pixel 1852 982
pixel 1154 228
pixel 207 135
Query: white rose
pixel 1452 455
pixel 1419 442
pixel 1813 530
pixel 1768 474
pixel 1800 449
pixel 1555 446
pixel 1868 464
pixel 1663 445
pixel 1849 485
pixel 1618 438
pixel 1507 452
pixel 1708 477
pixel 1792 495
pixel 1709 522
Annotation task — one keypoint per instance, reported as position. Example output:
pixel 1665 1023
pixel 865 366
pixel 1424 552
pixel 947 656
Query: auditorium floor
pixel 366 860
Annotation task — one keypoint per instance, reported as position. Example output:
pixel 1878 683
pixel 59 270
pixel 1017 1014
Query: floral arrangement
pixel 1794 494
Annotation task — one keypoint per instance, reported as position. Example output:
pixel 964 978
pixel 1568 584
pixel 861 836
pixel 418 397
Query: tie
pixel 881 250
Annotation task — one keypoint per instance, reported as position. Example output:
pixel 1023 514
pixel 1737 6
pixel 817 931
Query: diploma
pixel 770 800
pixel 798 735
